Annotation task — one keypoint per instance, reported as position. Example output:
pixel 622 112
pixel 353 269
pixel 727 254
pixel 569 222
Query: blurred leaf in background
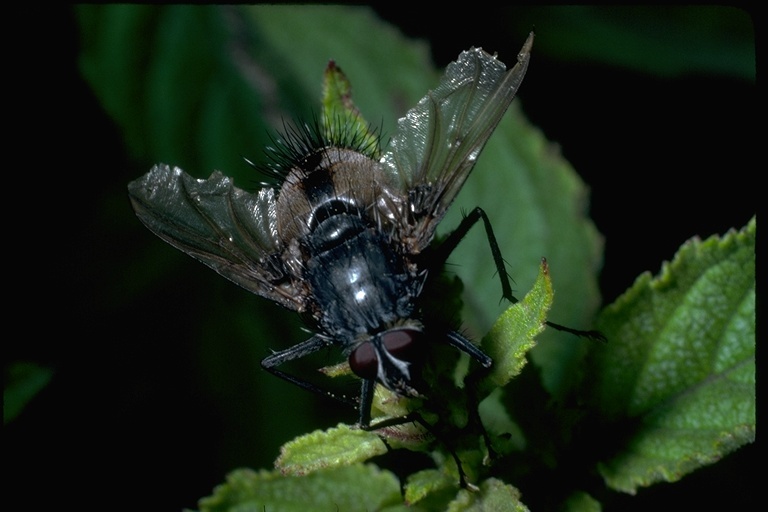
pixel 664 41
pixel 21 382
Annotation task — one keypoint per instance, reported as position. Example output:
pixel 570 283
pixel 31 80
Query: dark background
pixel 124 425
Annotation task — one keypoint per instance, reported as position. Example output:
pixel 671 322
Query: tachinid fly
pixel 344 240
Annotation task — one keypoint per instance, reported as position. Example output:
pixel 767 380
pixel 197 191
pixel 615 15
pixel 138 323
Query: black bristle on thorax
pixel 298 145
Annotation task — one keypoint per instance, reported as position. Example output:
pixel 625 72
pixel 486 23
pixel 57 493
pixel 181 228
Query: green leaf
pixel 581 502
pixel 679 365
pixel 514 333
pixel 341 118
pixel 388 72
pixel 183 86
pixel 427 482
pixel 322 449
pixel 494 495
pixel 344 488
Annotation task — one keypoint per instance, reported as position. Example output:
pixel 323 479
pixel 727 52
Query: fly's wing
pixel 232 231
pixel 438 141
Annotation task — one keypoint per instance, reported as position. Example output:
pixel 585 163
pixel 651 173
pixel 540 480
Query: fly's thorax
pixel 329 177
pixel 359 283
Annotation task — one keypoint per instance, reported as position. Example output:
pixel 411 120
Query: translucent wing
pixel 232 231
pixel 438 141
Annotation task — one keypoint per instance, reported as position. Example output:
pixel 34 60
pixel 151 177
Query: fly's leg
pixel 462 343
pixel 310 346
pixel 366 399
pixel 457 235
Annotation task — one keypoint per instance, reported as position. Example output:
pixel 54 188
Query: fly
pixel 346 239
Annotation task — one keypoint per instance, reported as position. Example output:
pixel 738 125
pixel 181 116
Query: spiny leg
pixel 447 246
pixel 457 340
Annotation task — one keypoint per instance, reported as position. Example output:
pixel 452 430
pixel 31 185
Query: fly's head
pixel 390 359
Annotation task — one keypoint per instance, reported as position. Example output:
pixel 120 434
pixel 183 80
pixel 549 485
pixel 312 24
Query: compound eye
pixel 397 343
pixel 363 361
